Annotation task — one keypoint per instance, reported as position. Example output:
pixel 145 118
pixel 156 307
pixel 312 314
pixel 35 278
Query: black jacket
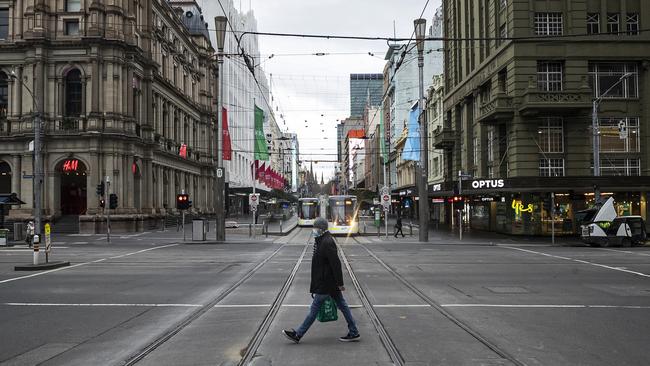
pixel 326 273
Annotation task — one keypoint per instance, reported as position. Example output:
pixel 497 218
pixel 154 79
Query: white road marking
pixel 624 251
pixel 402 306
pixel 80 235
pixel 580 261
pixel 142 251
pixel 106 305
pixel 79 265
pixel 544 306
pixel 243 306
pixel 98 239
pixel 79 243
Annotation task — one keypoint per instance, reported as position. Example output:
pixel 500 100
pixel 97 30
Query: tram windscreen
pixel 342 210
pixel 308 210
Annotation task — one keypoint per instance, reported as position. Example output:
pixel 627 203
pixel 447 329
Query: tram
pixel 308 211
pixel 343 215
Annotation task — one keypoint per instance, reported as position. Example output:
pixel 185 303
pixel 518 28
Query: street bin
pixel 4 237
pixel 19 231
pixel 199 229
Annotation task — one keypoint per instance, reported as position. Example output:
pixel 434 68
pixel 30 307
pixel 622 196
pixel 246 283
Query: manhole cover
pixel 508 289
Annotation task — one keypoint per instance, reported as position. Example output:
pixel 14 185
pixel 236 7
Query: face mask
pixel 317 232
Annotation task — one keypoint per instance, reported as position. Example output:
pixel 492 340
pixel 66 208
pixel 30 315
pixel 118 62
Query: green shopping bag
pixel 327 311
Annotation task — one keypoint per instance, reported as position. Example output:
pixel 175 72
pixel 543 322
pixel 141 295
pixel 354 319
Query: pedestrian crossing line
pixel 242 306
pixel 624 251
pixel 100 305
pixel 308 305
pixel 79 265
pixel 545 306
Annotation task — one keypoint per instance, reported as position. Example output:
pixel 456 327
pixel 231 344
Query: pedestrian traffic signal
pixel 112 201
pixel 100 189
pixel 102 203
pixel 183 201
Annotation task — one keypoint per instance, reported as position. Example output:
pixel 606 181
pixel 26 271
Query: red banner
pixel 183 151
pixel 267 176
pixel 226 145
pixel 261 173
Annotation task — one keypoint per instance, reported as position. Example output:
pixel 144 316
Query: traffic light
pixel 183 201
pixel 112 201
pixel 459 203
pixel 100 189
pixel 102 203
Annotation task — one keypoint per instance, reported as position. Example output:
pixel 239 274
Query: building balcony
pixel 501 107
pixel 536 102
pixel 444 138
pixel 67 125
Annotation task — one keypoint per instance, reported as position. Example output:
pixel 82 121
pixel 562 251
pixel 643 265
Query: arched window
pixel 4 95
pixel 73 93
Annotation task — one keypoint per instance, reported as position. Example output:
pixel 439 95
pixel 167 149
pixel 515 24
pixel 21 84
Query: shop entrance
pixel 5 177
pixel 73 187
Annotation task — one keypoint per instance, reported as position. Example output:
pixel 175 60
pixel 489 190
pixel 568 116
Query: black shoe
pixel 291 335
pixel 350 338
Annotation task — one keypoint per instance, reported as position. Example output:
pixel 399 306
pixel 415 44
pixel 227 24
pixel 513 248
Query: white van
pixel 601 227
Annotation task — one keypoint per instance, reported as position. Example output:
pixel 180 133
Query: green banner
pixel 382 138
pixel 261 149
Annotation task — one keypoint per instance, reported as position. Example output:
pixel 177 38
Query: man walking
pixel 398 226
pixel 326 280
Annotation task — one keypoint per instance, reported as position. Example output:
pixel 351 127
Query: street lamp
pixel 596 132
pixel 220 22
pixel 420 29
pixel 38 169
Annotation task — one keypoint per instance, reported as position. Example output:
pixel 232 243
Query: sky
pixel 312 92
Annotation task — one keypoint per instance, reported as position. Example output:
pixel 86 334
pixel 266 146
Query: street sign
pixel 385 201
pixel 254 200
pixel 384 190
pixel 48 238
pixel 219 172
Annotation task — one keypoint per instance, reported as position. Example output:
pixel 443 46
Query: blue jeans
pixel 315 306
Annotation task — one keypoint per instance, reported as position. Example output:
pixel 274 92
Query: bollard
pixel 280 226
pixel 250 233
pixel 411 228
pixel 379 231
pixel 266 228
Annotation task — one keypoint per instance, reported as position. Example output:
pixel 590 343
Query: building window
pixel 551 135
pixel 4 23
pixel 490 145
pixel 477 151
pixel 73 94
pixel 621 167
pixel 593 23
pixel 612 23
pixel 73 5
pixel 71 27
pixel 619 135
pixel 4 95
pixel 551 167
pixel 549 76
pixel 605 80
pixel 632 24
pixel 503 33
pixel 548 24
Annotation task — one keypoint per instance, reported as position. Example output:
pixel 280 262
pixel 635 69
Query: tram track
pixel 263 329
pixel 389 345
pixel 435 305
pixel 178 327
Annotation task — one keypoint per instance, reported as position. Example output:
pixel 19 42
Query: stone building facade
pixel 124 89
pixel 521 78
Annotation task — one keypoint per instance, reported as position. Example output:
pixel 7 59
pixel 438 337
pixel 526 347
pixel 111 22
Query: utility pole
pixel 107 208
pixel 595 130
pixel 423 192
pixel 220 224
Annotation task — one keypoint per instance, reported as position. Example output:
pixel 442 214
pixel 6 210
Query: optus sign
pixel 488 183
